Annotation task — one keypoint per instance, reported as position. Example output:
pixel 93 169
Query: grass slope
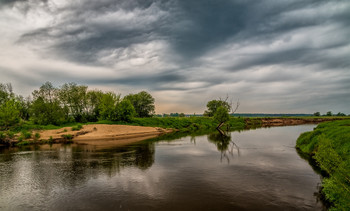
pixel 181 123
pixel 329 145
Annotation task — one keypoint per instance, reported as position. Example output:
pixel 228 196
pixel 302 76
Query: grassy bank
pixel 23 134
pixel 329 145
pixel 190 124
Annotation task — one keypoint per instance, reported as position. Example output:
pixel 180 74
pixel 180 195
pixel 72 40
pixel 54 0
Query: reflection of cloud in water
pixel 163 175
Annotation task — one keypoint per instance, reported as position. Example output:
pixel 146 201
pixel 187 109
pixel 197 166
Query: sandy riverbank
pixel 101 134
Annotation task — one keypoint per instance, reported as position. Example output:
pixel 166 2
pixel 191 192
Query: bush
pixel 25 134
pixel 2 136
pixel 10 134
pixel 67 136
pixel 77 127
pixel 37 136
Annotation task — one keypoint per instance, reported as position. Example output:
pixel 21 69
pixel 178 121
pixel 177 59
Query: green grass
pixel 23 143
pixel 67 136
pixel 77 127
pixel 329 145
pixel 180 123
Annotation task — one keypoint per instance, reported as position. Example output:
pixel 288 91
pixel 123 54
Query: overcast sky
pixel 275 56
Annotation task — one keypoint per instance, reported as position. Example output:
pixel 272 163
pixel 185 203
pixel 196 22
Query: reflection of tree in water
pixel 71 165
pixel 224 144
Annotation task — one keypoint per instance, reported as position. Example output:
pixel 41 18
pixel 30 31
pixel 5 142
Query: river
pixel 248 170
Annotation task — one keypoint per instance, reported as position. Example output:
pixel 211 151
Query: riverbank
pixel 329 146
pixel 27 133
pixel 95 134
pixel 289 121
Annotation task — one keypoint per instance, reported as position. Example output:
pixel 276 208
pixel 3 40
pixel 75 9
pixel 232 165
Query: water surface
pixel 249 170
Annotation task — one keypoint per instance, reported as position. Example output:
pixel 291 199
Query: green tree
pixel 6 93
pixel 221 115
pixel 24 107
pixel 213 105
pixel 329 113
pixel 74 97
pixel 94 98
pixel 108 106
pixel 143 103
pixel 125 110
pixel 46 108
pixel 340 114
pixel 9 113
pixel 317 114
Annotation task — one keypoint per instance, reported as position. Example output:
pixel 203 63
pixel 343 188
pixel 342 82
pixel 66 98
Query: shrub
pixel 67 136
pixel 77 127
pixel 37 135
pixel 23 143
pixel 10 134
pixel 2 136
pixel 26 135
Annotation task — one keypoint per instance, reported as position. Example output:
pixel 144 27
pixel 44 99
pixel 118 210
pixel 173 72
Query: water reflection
pixel 224 143
pixel 181 173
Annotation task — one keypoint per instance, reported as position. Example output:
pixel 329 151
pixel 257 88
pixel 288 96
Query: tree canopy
pixel 71 103
pixel 143 103
pixel 213 105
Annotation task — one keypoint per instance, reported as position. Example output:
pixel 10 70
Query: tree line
pixel 71 103
pixel 329 113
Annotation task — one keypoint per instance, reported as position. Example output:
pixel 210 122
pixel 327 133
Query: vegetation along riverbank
pixel 22 120
pixel 329 145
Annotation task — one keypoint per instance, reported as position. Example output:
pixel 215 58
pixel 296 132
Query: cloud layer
pixel 275 56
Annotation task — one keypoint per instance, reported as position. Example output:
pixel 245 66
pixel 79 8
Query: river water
pixel 248 170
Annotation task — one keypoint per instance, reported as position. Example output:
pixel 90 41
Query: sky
pixel 274 56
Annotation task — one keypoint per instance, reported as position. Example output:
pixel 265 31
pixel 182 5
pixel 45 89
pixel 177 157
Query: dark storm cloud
pixel 204 47
pixel 191 27
pixel 142 81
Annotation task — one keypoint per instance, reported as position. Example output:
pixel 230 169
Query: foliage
pixel 317 114
pixel 143 103
pixel 25 134
pixel 24 107
pixel 37 135
pixel 74 97
pixel 329 113
pixel 125 110
pixel 6 93
pixel 77 127
pixel 107 107
pixel 340 114
pixel 46 107
pixel 221 115
pixel 182 124
pixel 329 144
pixel 67 136
pixel 213 105
pixel 9 113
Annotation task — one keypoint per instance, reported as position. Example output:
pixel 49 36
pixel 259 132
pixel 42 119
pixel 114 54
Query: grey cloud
pixel 146 80
pixel 192 28
pixel 87 32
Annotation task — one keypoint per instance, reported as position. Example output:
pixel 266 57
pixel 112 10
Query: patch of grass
pixel 2 136
pixel 181 123
pixel 68 138
pixel 25 134
pixel 329 145
pixel 23 143
pixel 77 127
pixel 10 134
